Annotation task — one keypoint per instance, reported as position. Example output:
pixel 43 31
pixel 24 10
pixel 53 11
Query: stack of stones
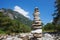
pixel 37 25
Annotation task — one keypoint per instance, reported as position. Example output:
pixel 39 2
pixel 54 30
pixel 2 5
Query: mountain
pixel 16 16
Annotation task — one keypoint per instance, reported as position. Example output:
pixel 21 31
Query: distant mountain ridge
pixel 16 16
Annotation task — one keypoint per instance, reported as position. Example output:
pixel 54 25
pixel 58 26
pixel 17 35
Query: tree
pixel 48 27
pixel 4 21
pixel 56 15
pixel 12 26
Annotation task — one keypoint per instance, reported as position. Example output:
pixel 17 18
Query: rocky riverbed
pixel 29 36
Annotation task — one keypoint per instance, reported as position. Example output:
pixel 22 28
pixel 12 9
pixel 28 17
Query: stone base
pixel 37 35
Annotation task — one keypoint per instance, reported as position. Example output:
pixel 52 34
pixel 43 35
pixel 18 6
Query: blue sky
pixel 46 8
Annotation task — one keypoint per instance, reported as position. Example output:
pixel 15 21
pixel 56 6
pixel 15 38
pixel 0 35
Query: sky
pixel 26 8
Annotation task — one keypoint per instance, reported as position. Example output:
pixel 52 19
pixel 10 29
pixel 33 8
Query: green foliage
pixel 18 27
pixel 12 26
pixel 56 17
pixel 58 27
pixel 21 18
pixel 4 20
pixel 48 26
pixel 2 32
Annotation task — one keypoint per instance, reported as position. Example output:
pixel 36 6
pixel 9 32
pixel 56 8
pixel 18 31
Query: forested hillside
pixel 15 15
pixel 13 22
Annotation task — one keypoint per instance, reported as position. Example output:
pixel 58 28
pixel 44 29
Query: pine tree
pixel 56 19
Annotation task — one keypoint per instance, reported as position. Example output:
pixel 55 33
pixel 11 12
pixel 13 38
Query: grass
pixel 48 30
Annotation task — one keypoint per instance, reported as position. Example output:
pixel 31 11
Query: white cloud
pixel 21 11
pixel 51 21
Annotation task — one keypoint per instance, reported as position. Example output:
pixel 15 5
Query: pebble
pixel 46 37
